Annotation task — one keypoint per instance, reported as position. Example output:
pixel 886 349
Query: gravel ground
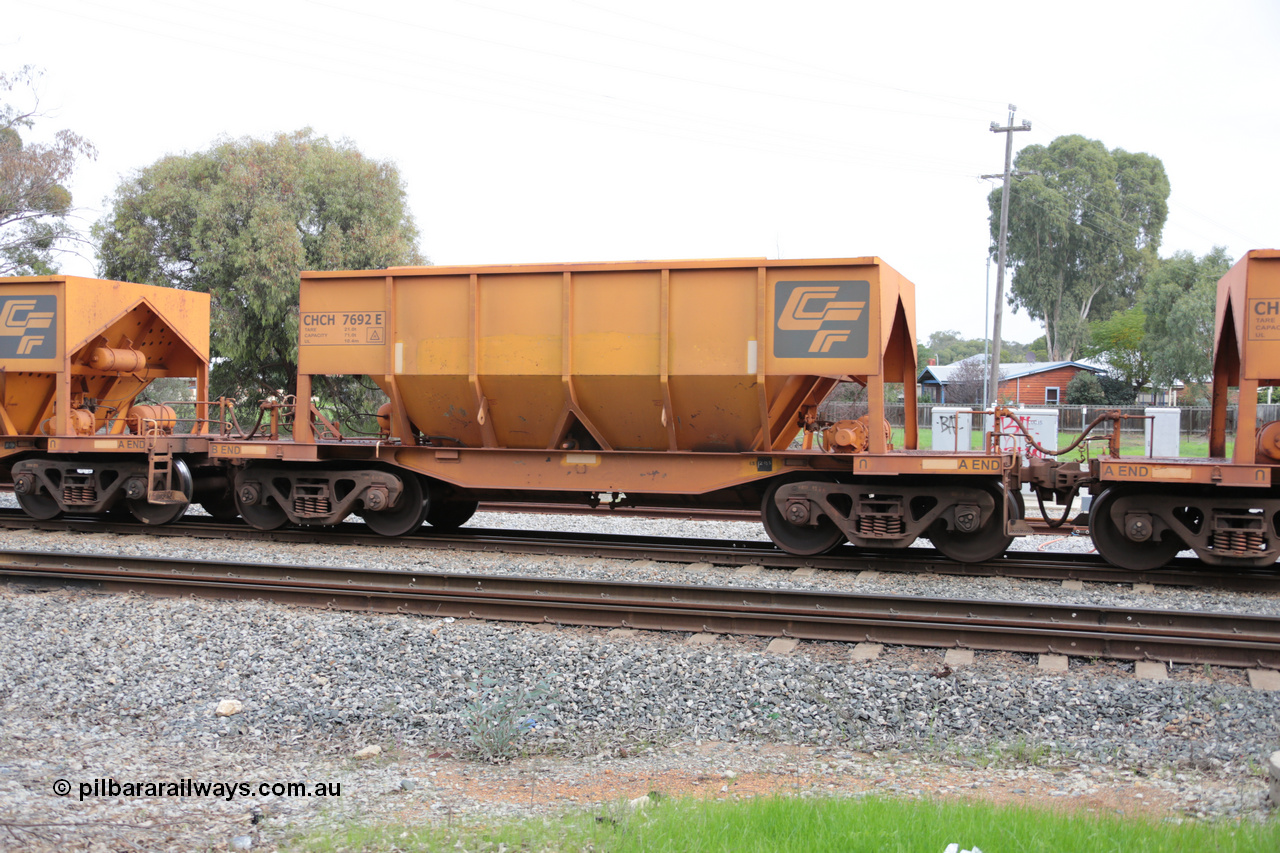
pixel 128 688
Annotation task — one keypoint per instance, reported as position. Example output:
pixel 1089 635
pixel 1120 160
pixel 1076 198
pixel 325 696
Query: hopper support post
pixel 202 398
pixel 1218 410
pixel 302 433
pixel 875 408
pixel 766 429
pixel 62 410
pixel 911 438
pixel 1246 423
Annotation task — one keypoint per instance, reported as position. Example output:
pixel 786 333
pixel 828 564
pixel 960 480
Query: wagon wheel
pixel 802 539
pixel 986 543
pixel 1121 551
pixel 408 513
pixel 265 514
pixel 450 515
pixel 149 513
pixel 220 503
pixel 41 506
pixel 221 508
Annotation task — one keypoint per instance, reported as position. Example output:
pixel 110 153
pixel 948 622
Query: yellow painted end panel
pixel 94 304
pixel 1261 334
pixel 896 291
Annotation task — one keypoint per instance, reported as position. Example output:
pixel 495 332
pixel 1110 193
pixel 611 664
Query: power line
pixel 669 122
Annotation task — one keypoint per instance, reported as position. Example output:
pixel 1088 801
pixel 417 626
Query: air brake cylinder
pixel 1269 442
pixel 384 419
pixel 82 422
pixel 852 436
pixel 116 360
pixel 145 418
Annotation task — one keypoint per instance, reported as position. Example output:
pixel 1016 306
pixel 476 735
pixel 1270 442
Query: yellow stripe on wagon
pixel 237 450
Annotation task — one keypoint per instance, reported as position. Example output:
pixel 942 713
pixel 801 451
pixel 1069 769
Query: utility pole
pixel 994 377
pixel 986 336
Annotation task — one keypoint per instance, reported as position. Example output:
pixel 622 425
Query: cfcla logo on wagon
pixel 26 326
pixel 821 319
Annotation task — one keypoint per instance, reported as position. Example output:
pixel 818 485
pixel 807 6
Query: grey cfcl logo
pixel 821 319
pixel 26 327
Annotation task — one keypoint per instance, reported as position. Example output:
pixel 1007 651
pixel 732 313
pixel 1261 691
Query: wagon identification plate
pixel 1264 319
pixel 330 328
pixel 821 319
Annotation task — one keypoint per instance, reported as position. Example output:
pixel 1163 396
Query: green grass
pixel 872 824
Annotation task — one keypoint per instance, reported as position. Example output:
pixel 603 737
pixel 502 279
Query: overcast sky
pixel 583 130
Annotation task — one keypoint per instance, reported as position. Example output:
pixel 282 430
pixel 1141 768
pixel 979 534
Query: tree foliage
pixel 1122 341
pixel 239 222
pixel 1179 301
pixel 948 347
pixel 1084 389
pixel 1084 230
pixel 34 202
pixel 1118 391
pixel 968 382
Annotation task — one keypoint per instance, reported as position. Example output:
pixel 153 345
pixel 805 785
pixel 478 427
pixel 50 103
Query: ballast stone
pixel 1264 679
pixel 1053 663
pixel 782 645
pixel 1150 670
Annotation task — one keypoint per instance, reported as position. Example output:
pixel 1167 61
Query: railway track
pixel 1105 632
pixel 1040 526
pixel 1020 564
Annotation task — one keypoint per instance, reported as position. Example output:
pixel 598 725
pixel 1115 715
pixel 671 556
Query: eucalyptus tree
pixel 1084 230
pixel 35 204
pixel 1179 302
pixel 239 222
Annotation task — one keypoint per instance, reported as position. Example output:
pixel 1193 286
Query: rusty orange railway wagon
pixel 1225 508
pixel 75 355
pixel 645 384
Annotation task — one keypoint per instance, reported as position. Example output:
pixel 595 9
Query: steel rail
pixel 1025 564
pixel 1185 637
pixel 696 514
pixel 1031 565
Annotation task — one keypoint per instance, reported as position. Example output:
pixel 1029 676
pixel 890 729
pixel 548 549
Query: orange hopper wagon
pixel 665 383
pixel 75 354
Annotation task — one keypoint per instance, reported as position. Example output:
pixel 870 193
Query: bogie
pixel 812 514
pixel 47 487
